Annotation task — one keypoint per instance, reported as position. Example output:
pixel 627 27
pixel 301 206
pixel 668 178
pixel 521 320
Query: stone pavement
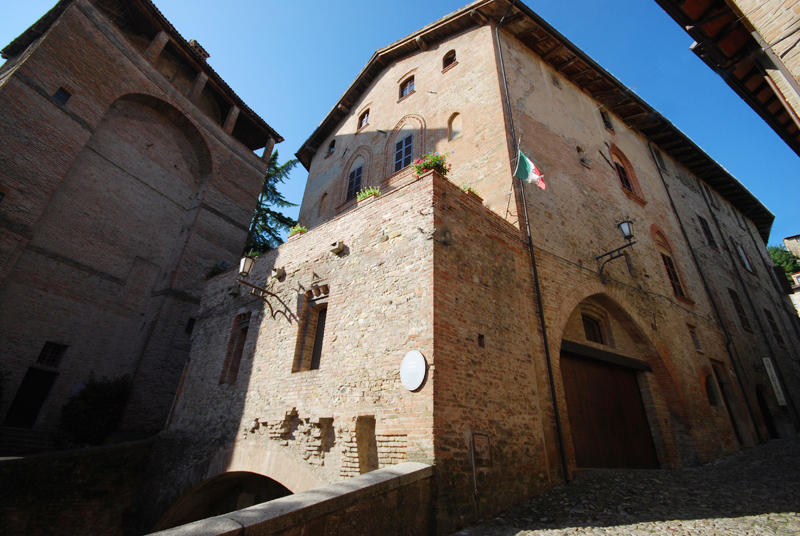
pixel 756 491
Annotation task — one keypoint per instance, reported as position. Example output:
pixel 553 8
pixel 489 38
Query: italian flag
pixel 527 171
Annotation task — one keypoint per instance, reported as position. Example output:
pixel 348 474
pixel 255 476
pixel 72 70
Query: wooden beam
pixel 555 50
pixel 704 18
pixel 524 33
pixel 721 36
pixel 636 117
pixel 583 72
pixel 567 64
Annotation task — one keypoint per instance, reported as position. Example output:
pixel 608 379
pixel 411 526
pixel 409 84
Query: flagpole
pixel 559 431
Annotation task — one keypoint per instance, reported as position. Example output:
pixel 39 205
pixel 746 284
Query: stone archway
pixel 219 495
pixel 611 376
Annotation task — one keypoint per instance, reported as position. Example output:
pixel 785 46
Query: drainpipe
pixel 728 339
pixel 559 431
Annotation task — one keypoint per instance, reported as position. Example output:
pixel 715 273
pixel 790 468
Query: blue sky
pixel 291 61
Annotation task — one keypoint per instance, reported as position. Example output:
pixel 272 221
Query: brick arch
pixel 418 122
pixel 659 236
pixel 367 176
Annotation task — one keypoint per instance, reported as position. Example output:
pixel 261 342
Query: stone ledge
pixel 292 510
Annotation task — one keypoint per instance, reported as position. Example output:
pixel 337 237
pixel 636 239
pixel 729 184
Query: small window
pixel 320 313
pixel 62 95
pixel 403 152
pixel 660 159
pixel 592 329
pixel 455 127
pixel 670 266
pixel 695 339
pixel 737 305
pixel 710 241
pixel 363 120
pixel 711 391
pixel 449 59
pixel 2 196
pixel 311 331
pixel 51 354
pixel 407 87
pixel 354 182
pixel 331 147
pixel 625 173
pixel 622 173
pixel 607 120
pixel 190 326
pixel 712 199
pixel 233 356
pixel 481 341
pixel 774 327
pixel 744 258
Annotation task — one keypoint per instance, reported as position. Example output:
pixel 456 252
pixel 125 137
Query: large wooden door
pixel 606 414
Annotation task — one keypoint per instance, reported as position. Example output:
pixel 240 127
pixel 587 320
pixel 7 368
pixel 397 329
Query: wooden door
pixel 606 414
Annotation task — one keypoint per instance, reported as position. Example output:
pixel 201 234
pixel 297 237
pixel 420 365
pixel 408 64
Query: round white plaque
pixel 413 370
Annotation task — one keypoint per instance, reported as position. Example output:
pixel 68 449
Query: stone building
pixel 752 45
pixel 682 350
pixel 126 170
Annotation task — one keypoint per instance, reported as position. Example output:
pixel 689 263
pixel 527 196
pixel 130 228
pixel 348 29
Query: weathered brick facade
pixel 429 267
pixel 128 169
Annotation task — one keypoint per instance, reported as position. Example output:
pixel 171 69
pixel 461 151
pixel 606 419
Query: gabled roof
pixel 143 17
pixel 576 66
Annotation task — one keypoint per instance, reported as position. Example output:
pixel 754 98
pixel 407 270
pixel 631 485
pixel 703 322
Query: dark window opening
pixel 2 196
pixel 709 195
pixel 711 391
pixel 316 353
pixel 660 159
pixel 62 95
pixel 744 258
pixel 481 341
pixel 51 354
pixel 623 177
pixel 363 120
pixel 449 59
pixel 403 151
pixel 737 305
pixel 233 357
pixel 190 326
pixel 331 146
pixel 354 182
pixel 695 339
pixel 774 327
pixel 707 232
pixel 607 120
pixel 407 87
pixel 672 274
pixel 31 396
pixel 592 329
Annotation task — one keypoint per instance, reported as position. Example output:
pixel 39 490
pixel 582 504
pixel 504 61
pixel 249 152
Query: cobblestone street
pixel 752 492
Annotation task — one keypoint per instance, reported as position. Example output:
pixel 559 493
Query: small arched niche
pixel 455 127
pixel 449 59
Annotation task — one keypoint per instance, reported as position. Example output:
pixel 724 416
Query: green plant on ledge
pixel 366 192
pixel 431 162
pixel 216 269
pixel 467 189
pixel 297 229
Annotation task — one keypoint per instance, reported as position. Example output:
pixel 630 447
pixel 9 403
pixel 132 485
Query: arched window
pixel 407 87
pixel 454 127
pixel 331 147
pixel 449 59
pixel 592 329
pixel 323 203
pixel 363 120
pixel 354 178
pixel 625 173
pixel 668 260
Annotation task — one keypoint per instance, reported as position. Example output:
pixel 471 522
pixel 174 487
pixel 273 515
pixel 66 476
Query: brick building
pixel 126 170
pixel 535 361
pixel 752 45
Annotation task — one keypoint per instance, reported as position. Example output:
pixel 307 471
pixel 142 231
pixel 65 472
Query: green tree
pixel 785 259
pixel 267 223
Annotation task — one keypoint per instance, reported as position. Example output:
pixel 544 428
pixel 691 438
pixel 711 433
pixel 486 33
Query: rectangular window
pixel 672 274
pixel 354 182
pixel 51 354
pixel 233 357
pixel 744 258
pixel 591 327
pixel 316 354
pixel 707 232
pixel 737 305
pixel 607 120
pixel 695 339
pixel 62 95
pixel 623 176
pixel 774 327
pixel 403 151
pixel 660 159
pixel 407 87
pixel 311 334
pixel 709 195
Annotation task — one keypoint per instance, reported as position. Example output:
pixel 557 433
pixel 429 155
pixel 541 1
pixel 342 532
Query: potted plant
pixel 372 191
pixel 469 190
pixel 297 230
pixel 431 162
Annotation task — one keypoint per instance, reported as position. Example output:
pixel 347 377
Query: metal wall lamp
pixel 626 228
pixel 245 266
